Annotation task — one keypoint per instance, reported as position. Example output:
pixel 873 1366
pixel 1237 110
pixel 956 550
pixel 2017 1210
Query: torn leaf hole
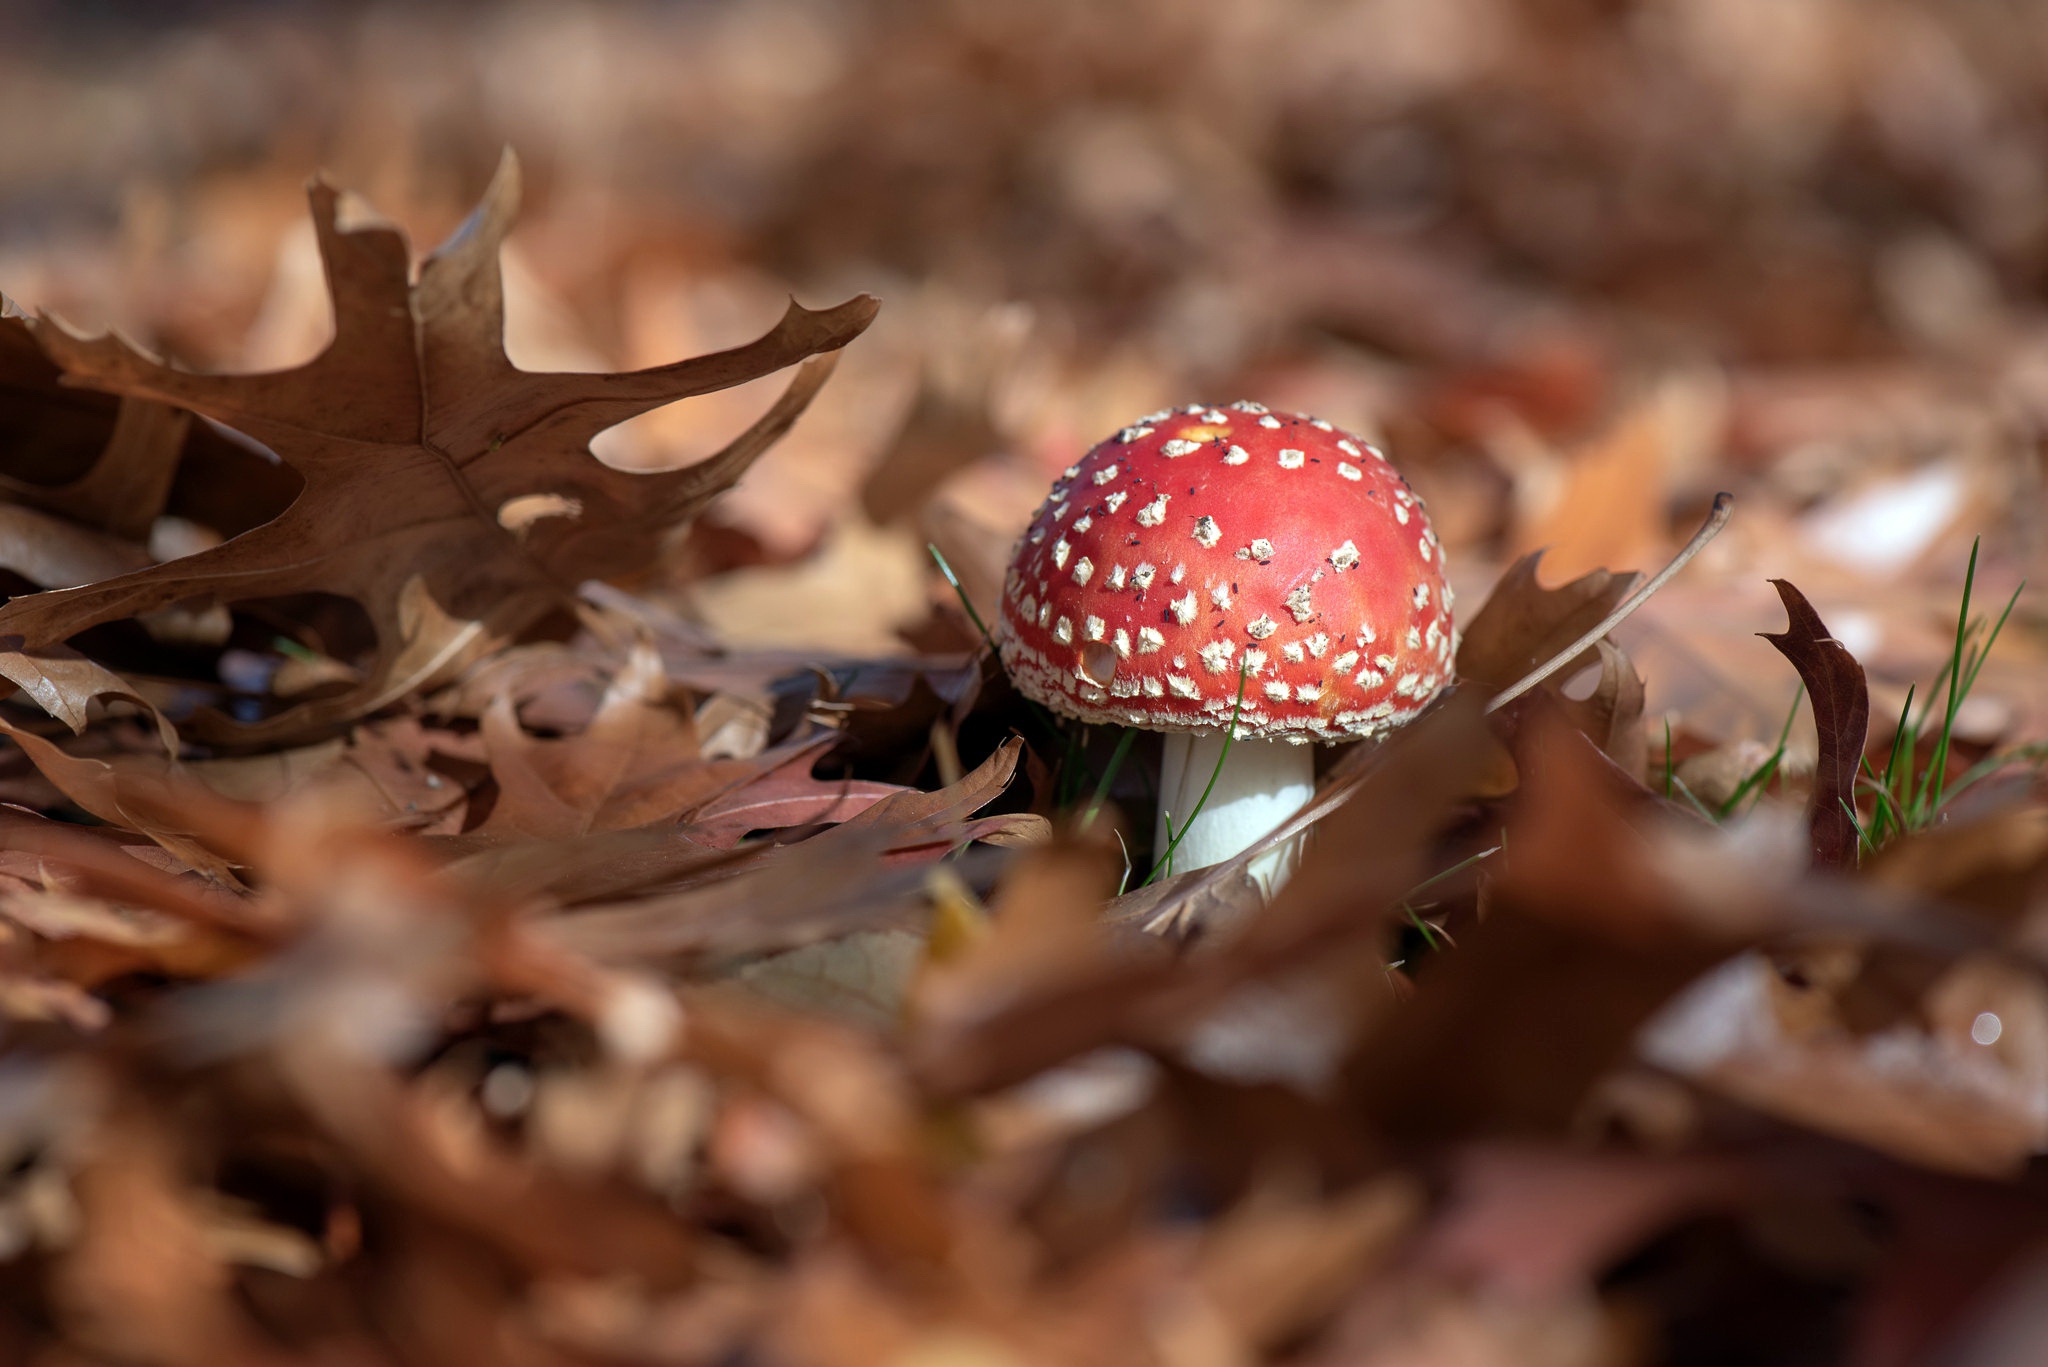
pixel 515 515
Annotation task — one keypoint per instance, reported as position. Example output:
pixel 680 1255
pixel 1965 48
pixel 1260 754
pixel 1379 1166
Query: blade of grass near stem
pixel 1929 780
pixel 1453 870
pixel 1669 768
pixel 1229 735
pixel 1761 775
pixel 1116 762
pixel 960 592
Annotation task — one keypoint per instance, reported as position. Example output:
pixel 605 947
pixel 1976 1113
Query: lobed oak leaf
pixel 451 494
pixel 637 762
pixel 558 787
pixel 1522 623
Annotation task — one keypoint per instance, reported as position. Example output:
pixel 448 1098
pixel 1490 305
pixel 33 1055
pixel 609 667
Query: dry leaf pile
pixel 467 896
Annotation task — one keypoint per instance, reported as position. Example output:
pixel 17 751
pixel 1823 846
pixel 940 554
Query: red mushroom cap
pixel 1202 541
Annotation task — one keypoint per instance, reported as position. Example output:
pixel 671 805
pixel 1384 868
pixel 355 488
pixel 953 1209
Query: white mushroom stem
pixel 1261 784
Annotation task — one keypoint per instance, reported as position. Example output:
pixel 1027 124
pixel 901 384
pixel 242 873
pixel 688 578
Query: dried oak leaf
pixel 1841 716
pixel 451 494
pixel 1612 716
pixel 98 462
pixel 636 762
pixel 65 684
pixel 1522 623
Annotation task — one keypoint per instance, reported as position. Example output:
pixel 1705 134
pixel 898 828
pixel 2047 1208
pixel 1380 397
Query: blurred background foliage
pixel 1580 262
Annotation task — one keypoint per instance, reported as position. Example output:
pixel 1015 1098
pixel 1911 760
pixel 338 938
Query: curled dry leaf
pixel 421 445
pixel 145 793
pixel 131 445
pixel 1612 715
pixel 1841 715
pixel 65 684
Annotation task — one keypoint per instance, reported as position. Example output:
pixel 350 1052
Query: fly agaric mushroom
pixel 1201 550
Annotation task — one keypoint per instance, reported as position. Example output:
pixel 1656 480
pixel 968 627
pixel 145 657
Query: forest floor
pixel 466 899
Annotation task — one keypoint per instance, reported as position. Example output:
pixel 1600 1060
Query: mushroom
pixel 1208 562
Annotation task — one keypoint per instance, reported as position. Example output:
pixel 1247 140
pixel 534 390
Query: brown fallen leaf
pixel 145 793
pixel 133 448
pixel 1585 938
pixel 769 899
pixel 766 899
pixel 119 867
pixel 84 942
pixel 1522 623
pixel 920 825
pixel 52 552
pixel 787 796
pixel 1612 716
pixel 1285 1259
pixel 1989 865
pixel 448 492
pixel 634 764
pixel 1937 1103
pixel 144 1249
pixel 1601 502
pixel 1841 715
pixel 64 683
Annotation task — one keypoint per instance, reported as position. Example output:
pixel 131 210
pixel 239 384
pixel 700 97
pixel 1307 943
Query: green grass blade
pixel 1229 735
pixel 1457 868
pixel 2033 753
pixel 1863 843
pixel 1763 772
pixel 1685 791
pixel 1116 762
pixel 1669 768
pixel 1905 739
pixel 1921 809
pixel 1428 931
pixel 959 592
pixel 1942 792
pixel 1887 818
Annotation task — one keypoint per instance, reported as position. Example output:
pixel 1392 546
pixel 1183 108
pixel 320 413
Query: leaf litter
pixel 466 899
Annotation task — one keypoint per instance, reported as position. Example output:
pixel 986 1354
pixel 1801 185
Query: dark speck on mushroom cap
pixel 1201 541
